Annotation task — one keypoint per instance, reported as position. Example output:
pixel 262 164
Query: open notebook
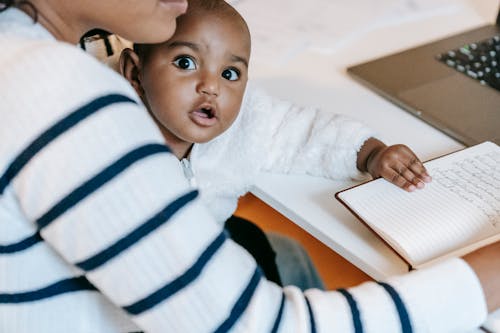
pixel 458 212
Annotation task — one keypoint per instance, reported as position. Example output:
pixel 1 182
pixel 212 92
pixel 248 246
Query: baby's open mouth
pixel 207 112
pixel 204 115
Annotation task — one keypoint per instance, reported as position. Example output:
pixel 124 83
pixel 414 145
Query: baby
pixel 195 87
pixel 225 133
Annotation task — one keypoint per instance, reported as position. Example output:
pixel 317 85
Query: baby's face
pixel 194 83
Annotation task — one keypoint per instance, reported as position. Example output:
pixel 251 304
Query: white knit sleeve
pixel 444 298
pixel 307 139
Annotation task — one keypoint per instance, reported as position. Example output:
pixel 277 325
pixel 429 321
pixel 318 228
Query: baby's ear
pixel 130 67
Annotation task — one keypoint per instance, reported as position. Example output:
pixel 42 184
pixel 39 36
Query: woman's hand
pixel 397 164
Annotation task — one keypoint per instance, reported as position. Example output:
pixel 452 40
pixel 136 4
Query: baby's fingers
pixel 408 178
pixel 412 178
pixel 402 178
pixel 419 170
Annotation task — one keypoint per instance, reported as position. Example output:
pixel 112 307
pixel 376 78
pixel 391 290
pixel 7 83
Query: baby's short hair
pixel 140 49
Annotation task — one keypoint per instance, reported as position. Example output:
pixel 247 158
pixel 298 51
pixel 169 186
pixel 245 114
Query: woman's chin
pixel 155 34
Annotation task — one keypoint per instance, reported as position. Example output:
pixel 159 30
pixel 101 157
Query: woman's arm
pixel 486 263
pixel 110 199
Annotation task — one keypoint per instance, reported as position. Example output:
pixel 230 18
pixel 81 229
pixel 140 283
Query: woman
pixel 99 231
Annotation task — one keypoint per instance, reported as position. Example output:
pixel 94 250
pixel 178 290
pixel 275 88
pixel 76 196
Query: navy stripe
pixel 143 230
pixel 53 132
pixel 180 282
pixel 241 303
pixel 311 315
pixel 280 314
pixel 404 318
pixel 97 181
pixel 22 245
pixel 356 318
pixel 58 288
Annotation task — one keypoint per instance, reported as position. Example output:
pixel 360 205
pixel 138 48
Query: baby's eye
pixel 231 74
pixel 185 62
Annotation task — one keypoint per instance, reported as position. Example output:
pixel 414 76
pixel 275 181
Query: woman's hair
pixel 4 4
pixel 96 34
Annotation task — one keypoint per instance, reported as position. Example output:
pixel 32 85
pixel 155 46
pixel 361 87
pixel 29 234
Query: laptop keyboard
pixel 480 61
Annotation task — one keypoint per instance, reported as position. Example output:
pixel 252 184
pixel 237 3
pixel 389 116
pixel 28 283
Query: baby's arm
pixel 321 143
pixel 301 140
pixel 397 163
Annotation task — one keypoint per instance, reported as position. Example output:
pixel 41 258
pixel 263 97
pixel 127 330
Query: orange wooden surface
pixel 335 270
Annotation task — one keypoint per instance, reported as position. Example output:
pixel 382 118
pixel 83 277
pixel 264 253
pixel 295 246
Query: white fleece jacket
pixel 275 136
pixel 268 135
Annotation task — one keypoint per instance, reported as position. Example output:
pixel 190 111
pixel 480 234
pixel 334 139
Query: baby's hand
pixel 397 163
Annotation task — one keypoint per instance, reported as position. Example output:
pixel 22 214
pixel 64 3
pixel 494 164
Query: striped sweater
pixel 100 232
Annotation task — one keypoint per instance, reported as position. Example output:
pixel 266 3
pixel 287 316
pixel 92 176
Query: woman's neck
pixel 55 20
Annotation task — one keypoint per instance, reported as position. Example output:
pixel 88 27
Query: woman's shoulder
pixel 63 68
pixel 55 79
pixel 81 70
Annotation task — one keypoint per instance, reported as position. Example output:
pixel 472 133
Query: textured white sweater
pixel 275 136
pixel 100 232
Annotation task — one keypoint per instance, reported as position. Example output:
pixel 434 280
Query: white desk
pixel 311 78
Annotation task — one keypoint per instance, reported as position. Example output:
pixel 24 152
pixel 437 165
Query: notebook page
pixel 460 207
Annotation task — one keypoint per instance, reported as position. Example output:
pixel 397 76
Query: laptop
pixel 453 83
